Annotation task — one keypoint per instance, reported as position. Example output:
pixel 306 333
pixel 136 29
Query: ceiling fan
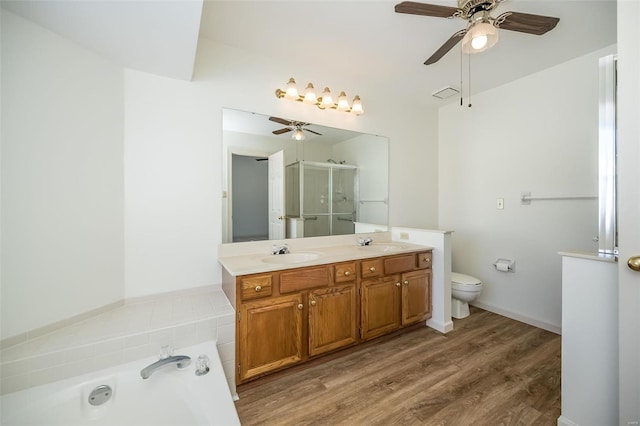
pixel 291 125
pixel 481 32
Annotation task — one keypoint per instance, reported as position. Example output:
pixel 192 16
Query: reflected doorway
pixel 250 200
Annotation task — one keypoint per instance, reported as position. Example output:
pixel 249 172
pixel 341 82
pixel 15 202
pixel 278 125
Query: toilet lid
pixel 464 279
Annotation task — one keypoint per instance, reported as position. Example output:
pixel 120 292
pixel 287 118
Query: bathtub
pixel 171 396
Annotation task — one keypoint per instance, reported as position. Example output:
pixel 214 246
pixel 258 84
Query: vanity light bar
pixel 323 102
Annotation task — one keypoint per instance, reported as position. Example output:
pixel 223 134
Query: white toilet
pixel 464 289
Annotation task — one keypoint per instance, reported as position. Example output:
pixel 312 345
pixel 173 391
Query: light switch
pixel 500 203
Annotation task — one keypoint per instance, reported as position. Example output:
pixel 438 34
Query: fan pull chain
pixel 469 81
pixel 461 65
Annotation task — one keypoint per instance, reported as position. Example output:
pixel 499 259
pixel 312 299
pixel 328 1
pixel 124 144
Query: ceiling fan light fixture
pixel 298 135
pixel 480 37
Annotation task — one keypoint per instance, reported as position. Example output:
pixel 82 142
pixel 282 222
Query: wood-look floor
pixel 490 370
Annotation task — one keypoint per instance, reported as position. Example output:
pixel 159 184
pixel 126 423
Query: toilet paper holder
pixel 505 265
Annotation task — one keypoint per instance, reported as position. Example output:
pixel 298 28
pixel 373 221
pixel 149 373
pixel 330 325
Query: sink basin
pixel 283 259
pixel 384 247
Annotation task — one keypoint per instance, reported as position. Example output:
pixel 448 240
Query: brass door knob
pixel 634 263
pixel 258 288
pixel 313 303
pixel 398 284
pixel 406 283
pixel 372 269
pixel 347 273
pixel 300 306
pixel 427 259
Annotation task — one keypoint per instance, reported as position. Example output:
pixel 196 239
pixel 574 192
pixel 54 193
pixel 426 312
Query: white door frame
pixel 628 210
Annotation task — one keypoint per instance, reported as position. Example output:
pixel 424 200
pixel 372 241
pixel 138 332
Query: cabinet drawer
pixel 256 287
pixel 397 264
pixel 371 268
pixel 345 272
pixel 302 279
pixel 424 260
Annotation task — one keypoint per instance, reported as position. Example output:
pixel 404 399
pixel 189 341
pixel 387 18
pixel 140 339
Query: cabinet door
pixel 416 296
pixel 380 306
pixel 270 335
pixel 332 318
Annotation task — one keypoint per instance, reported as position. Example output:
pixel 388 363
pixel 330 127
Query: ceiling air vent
pixel 445 92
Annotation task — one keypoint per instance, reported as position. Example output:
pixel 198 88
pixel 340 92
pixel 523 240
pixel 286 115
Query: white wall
pixel 535 134
pixel 173 158
pixel 62 178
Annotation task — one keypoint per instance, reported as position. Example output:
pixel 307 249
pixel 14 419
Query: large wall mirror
pixel 283 178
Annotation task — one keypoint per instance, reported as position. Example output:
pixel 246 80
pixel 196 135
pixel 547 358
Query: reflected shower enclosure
pixel 321 199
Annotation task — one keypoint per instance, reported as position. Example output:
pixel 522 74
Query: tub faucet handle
pixel 202 365
pixel 166 351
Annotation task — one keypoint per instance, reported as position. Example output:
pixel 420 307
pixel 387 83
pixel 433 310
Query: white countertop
pixel 590 256
pixel 253 258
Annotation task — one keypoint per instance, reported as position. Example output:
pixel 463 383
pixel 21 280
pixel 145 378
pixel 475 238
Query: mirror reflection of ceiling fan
pixel 481 31
pixel 297 127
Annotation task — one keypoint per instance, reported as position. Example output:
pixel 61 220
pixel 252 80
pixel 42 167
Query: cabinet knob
pixel 427 259
pixel 258 288
pixel 313 303
pixel 347 273
pixel 398 284
pixel 372 269
pixel 406 283
pixel 300 306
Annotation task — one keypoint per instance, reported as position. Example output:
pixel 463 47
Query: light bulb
pixel 298 135
pixel 327 100
pixel 310 94
pixel 356 107
pixel 480 37
pixel 478 42
pixel 292 90
pixel 343 103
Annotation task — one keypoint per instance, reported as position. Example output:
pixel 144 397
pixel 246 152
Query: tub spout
pixel 181 361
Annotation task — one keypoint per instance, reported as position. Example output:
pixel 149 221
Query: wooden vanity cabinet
pixel 416 296
pixel 401 297
pixel 270 335
pixel 286 317
pixel 333 319
pixel 380 306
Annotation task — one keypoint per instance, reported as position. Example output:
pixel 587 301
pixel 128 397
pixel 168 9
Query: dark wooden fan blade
pixel 281 131
pixel 280 121
pixel 415 8
pixel 526 23
pixel 311 131
pixel 446 47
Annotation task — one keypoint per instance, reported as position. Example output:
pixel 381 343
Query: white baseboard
pixel 518 317
pixel 443 328
pixel 563 421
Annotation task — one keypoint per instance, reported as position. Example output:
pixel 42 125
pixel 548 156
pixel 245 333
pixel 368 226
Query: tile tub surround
pixel 136 329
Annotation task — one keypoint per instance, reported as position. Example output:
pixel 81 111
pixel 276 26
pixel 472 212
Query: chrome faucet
pixel 276 249
pixel 365 241
pixel 181 361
